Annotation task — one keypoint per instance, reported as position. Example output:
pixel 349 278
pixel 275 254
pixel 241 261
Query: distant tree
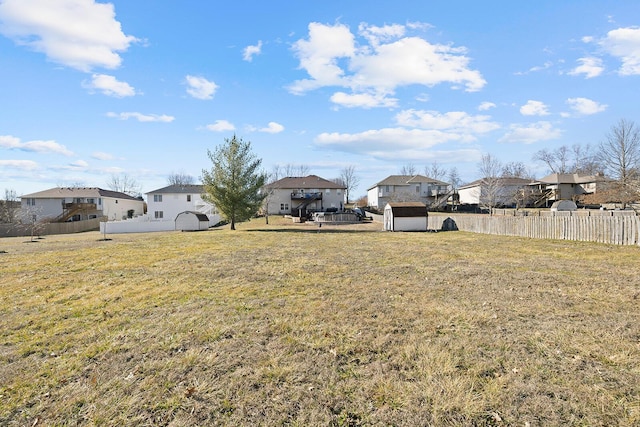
pixel 409 169
pixel 349 179
pixel 454 177
pixel 620 156
pixel 491 187
pixel 234 182
pixel 295 170
pixel 124 184
pixel 575 159
pixel 9 207
pixel 435 171
pixel 516 170
pixel 180 178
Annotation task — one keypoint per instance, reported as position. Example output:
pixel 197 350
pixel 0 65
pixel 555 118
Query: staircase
pixel 71 209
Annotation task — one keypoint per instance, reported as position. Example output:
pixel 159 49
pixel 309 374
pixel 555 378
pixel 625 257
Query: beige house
pixel 64 204
pixel 299 196
pixel 565 186
pixel 407 188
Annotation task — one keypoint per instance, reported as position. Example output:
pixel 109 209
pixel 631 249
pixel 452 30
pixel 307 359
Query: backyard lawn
pixel 291 324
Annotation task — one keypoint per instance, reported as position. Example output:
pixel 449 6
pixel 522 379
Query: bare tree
pixel 575 159
pixel 9 207
pixel 490 169
pixel 409 169
pixel 435 171
pixel 620 156
pixel 295 170
pixel 515 170
pixel 349 179
pixel 124 184
pixel 180 178
pixel 454 177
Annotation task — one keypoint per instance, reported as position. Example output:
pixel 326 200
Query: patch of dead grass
pixel 287 325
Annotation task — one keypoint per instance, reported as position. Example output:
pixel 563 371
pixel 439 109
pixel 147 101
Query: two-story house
pixel 566 186
pixel 63 204
pixel 299 196
pixel 166 203
pixel 407 188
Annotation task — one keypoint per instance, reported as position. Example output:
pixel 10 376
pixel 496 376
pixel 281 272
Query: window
pixel 100 201
pixel 188 197
pixel 157 197
pixel 158 214
pixel 284 206
pixel 31 202
pixel 386 188
pixel 417 188
pixel 328 191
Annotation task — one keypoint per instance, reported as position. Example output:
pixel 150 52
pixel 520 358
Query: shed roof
pixel 408 209
pixel 201 217
pixel 78 192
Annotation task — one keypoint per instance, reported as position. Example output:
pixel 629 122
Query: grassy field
pixel 290 325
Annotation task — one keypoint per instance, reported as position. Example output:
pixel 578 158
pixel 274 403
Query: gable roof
pixel 408 180
pixel 180 189
pixel 78 192
pixel 310 181
pixel 507 182
pixel 571 178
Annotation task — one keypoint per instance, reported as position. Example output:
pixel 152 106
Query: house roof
pixel 310 181
pixel 507 182
pixel 407 180
pixel 179 189
pixel 407 209
pixel 571 178
pixel 78 192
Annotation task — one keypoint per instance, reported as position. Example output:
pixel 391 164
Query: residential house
pixel 166 203
pixel 63 204
pixel 494 192
pixel 405 216
pixel 299 196
pixel 566 186
pixel 408 188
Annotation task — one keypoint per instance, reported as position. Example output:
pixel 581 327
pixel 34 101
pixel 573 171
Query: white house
pixel 496 192
pixel 405 216
pixel 298 196
pixel 165 204
pixel 62 204
pixel 408 188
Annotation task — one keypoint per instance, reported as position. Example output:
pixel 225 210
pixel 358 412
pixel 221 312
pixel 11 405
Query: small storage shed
pixel 192 221
pixel 405 216
pixel 563 206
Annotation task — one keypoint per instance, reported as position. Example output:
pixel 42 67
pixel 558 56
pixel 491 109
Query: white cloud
pixel 200 88
pixel 100 155
pixel 250 51
pixel 457 122
pixel 331 57
pixel 585 106
pixel 221 126
pixel 363 100
pixel 528 134
pixel 24 165
pixel 486 106
pixel 273 127
pixel 534 108
pixel 46 147
pixel 624 43
pixel 142 117
pixel 81 34
pixel 590 67
pixel 109 86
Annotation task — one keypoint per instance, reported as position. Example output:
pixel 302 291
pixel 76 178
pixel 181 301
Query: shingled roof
pixel 298 182
pixel 78 192
pixel 180 189
pixel 407 180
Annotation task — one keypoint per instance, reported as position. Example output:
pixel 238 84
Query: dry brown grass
pixel 285 325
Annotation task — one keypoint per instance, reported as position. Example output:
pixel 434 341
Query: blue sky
pixel 144 88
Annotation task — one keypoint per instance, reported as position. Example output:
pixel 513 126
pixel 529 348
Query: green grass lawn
pixel 286 324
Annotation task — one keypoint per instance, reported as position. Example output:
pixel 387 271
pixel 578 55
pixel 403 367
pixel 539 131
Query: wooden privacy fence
pixel 46 229
pixel 615 229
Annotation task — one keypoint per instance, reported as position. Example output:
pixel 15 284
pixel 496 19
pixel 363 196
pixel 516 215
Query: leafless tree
pixel 575 159
pixel 9 207
pixel 124 184
pixel 180 178
pixel 349 179
pixel 516 170
pixel 435 171
pixel 490 169
pixel 409 169
pixel 454 177
pixel 619 153
pixel 295 170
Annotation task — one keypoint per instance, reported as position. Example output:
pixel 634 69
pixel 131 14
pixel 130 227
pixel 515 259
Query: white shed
pixel 192 221
pixel 405 216
pixel 564 205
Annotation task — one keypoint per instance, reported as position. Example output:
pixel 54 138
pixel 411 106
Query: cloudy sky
pixel 92 89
